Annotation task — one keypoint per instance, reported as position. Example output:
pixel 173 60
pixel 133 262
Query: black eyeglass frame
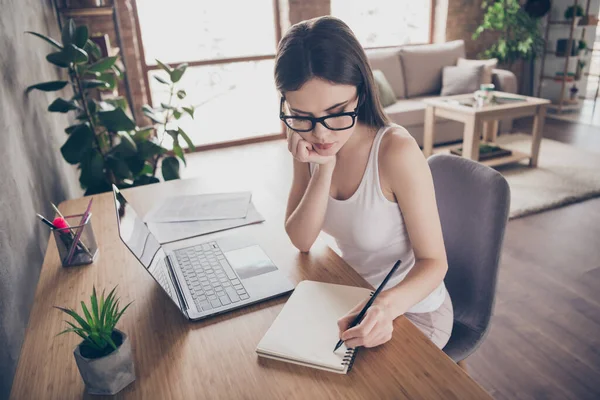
pixel 320 120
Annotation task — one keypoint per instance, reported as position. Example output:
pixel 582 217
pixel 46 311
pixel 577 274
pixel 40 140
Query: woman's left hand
pixel 376 327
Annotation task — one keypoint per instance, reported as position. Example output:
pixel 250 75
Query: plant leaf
pixel 59 59
pixel 118 317
pixel 47 86
pixel 62 106
pixel 161 80
pixel 92 171
pixel 47 39
pixel 167 106
pixel 189 110
pixel 116 120
pixel 119 167
pixel 94 83
pixel 94 302
pixel 72 128
pixel 145 180
pixel 92 49
pixel 76 317
pixel 143 134
pixel 103 64
pixel 148 150
pixel 170 168
pixel 179 151
pixel 176 113
pixel 181 94
pixel 79 141
pixel 177 73
pixel 81 36
pixel 164 66
pixel 187 139
pixel 75 54
pixel 88 317
pixel 68 32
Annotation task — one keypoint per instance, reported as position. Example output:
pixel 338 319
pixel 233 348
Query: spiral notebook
pixel 305 331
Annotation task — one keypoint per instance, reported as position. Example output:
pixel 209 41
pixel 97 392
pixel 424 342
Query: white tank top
pixel 370 232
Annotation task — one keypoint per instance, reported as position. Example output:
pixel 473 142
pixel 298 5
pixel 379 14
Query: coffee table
pixel 482 121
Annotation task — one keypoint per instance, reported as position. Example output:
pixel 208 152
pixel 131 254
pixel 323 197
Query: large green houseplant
pixel 104 142
pixel 519 34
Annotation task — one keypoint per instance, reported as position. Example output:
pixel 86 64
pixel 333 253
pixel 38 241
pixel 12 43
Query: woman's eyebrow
pixel 329 109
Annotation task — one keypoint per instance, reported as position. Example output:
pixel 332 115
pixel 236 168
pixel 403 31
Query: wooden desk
pixel 215 358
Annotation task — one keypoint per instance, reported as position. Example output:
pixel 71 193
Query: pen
pixel 44 220
pixel 362 313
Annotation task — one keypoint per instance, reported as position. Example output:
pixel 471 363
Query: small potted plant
pixel 104 357
pixel 579 70
pixel 582 47
pixel 574 13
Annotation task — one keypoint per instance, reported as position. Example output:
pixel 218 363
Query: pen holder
pixel 76 252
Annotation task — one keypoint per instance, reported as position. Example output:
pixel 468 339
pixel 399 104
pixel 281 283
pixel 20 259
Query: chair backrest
pixel 473 202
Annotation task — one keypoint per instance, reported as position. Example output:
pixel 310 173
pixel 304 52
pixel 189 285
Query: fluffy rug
pixel 564 175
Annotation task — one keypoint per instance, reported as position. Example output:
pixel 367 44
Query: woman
pixel 362 180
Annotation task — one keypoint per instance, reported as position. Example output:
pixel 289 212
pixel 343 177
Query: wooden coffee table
pixel 483 122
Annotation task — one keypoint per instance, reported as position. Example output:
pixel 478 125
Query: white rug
pixel 565 175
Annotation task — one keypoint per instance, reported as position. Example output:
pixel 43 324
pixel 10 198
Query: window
pixel 230 47
pixel 380 23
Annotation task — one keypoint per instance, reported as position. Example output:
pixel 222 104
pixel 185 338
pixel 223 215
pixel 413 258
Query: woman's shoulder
pixel 399 152
pixel 398 143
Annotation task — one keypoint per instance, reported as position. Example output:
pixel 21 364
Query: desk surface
pixel 214 358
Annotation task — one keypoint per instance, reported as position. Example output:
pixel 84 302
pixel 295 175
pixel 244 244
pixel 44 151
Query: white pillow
pixel 488 64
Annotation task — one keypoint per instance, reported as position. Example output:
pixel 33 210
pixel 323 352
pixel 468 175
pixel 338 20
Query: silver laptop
pixel 203 278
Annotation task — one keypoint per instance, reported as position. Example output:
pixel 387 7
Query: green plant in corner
pixel 520 35
pixel 104 142
pixel 97 325
pixel 165 116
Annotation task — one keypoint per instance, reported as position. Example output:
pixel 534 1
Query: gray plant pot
pixel 110 374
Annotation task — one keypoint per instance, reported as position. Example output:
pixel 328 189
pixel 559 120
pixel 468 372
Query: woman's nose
pixel 320 132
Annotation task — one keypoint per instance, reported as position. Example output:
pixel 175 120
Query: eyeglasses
pixel 335 122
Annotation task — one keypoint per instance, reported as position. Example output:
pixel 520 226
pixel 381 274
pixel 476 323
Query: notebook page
pixel 306 328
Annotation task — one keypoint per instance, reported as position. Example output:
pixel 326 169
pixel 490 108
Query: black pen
pixel 44 220
pixel 362 313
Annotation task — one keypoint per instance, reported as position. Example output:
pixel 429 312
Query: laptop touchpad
pixel 250 261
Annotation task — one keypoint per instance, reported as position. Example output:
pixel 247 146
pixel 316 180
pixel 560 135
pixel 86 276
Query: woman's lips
pixel 323 146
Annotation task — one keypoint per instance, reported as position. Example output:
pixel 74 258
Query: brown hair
pixel 326 48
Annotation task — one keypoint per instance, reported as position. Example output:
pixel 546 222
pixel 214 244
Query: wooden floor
pixel 544 342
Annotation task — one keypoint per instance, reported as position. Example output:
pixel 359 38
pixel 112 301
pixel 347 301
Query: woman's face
pixel 319 98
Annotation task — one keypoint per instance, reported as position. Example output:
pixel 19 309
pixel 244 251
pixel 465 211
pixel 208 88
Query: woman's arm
pixel 405 175
pixel 307 201
pixel 408 176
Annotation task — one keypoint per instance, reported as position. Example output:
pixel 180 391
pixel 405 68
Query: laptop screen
pixel 143 244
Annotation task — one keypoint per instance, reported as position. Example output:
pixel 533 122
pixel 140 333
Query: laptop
pixel 202 277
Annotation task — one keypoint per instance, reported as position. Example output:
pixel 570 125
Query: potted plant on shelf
pixel 579 71
pixel 104 357
pixel 574 13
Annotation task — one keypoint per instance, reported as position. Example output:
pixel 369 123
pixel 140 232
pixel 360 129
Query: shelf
pixel 568 23
pixel 558 79
pixel 87 12
pixel 592 75
pixel 493 162
pixel 565 107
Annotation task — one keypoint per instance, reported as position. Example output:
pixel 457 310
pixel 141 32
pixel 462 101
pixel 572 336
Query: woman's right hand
pixel 303 151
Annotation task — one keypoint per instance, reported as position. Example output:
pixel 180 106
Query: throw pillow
pixel 489 66
pixel 386 93
pixel 461 80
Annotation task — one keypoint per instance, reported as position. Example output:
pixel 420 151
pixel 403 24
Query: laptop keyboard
pixel 209 276
pixel 161 277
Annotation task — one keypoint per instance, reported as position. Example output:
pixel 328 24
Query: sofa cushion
pixel 422 66
pixel 489 65
pixel 385 91
pixel 388 62
pixel 408 112
pixel 461 80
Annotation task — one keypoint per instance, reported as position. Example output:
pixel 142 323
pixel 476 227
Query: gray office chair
pixel 473 202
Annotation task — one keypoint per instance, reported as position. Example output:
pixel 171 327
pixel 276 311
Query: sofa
pixel 414 73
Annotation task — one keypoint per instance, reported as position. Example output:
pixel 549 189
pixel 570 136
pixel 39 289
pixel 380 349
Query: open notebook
pixel 305 331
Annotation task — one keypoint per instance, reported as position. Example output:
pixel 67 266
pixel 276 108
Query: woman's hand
pixel 303 151
pixel 375 328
